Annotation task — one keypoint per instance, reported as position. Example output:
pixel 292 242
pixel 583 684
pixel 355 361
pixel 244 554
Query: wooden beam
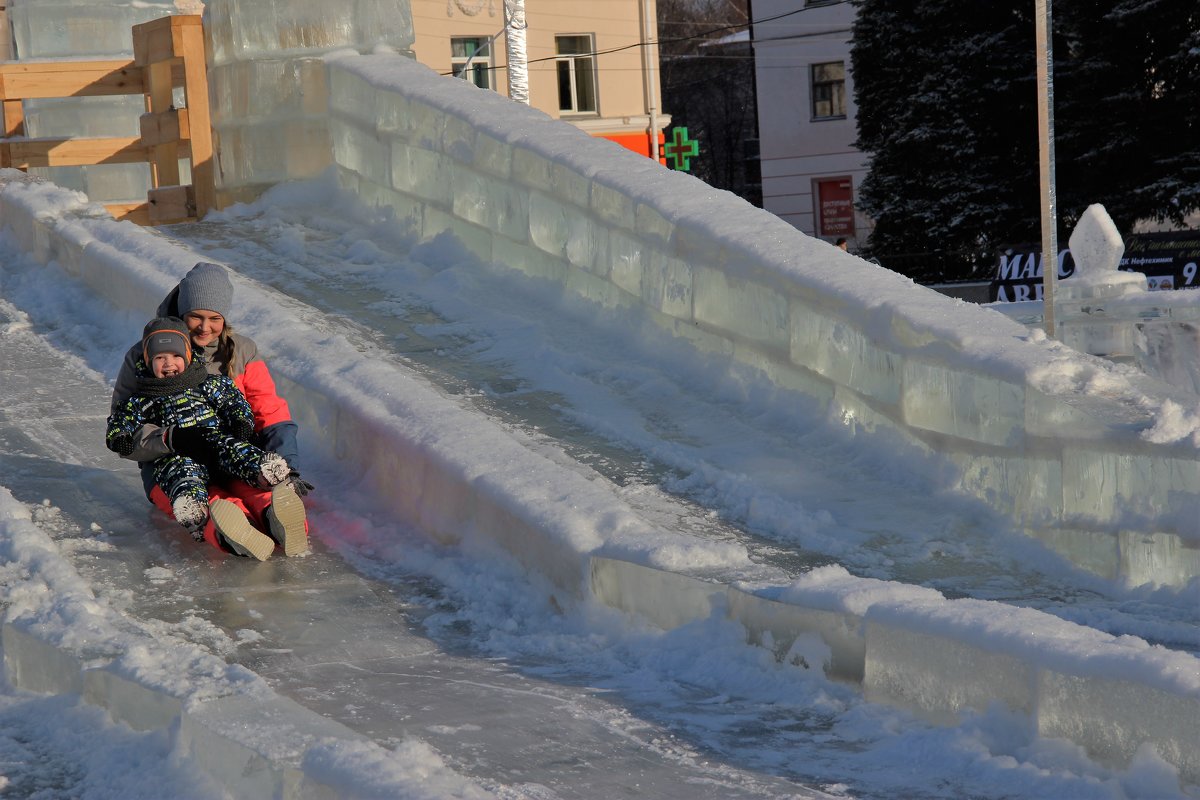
pixel 162 39
pixel 37 79
pixel 195 62
pixel 164 156
pixel 14 118
pixel 164 126
pixel 171 204
pixel 72 152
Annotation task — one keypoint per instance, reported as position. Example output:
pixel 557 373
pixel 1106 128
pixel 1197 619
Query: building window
pixel 576 64
pixel 829 90
pixel 469 63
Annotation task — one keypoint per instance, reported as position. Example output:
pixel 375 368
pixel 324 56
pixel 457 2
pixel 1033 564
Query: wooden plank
pixel 196 94
pixel 131 212
pixel 171 125
pixel 162 39
pixel 36 79
pixel 14 118
pixel 171 204
pixel 72 152
pixel 164 156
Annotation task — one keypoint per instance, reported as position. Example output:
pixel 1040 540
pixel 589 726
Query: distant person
pixel 841 243
pixel 205 422
pixel 202 299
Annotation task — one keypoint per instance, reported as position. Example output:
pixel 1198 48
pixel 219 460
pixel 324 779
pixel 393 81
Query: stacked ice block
pixel 267 82
pixel 95 30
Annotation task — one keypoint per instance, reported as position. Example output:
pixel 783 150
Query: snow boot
pixel 191 514
pixel 235 530
pixel 286 517
pixel 273 470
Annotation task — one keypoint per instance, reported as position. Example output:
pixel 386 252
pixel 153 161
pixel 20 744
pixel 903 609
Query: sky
pixel 749 478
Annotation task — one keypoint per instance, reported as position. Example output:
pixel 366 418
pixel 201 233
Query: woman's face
pixel 204 326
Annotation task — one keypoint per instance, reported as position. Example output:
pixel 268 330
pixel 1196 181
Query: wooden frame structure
pixel 168 53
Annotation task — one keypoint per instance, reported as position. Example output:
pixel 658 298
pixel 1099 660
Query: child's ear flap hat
pixel 166 335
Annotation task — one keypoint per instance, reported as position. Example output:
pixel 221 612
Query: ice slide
pixel 391 346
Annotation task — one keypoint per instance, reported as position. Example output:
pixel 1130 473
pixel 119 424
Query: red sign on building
pixel 834 206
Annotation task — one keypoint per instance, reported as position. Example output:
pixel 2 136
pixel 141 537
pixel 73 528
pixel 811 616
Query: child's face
pixel 167 364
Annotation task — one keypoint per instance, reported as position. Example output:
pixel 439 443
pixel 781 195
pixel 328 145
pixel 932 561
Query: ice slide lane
pixel 688 449
pixel 344 646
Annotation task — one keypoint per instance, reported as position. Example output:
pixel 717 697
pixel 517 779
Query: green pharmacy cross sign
pixel 681 149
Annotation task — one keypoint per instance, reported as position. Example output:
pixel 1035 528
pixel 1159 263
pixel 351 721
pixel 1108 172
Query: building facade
pixel 806 115
pixel 591 64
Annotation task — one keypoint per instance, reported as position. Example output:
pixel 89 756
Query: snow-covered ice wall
pixel 1050 437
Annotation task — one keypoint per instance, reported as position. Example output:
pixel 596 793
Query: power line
pixel 701 35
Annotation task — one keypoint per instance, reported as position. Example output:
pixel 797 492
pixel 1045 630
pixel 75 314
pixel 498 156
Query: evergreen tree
pixel 947 101
pixel 1127 89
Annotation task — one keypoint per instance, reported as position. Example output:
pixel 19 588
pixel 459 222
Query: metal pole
pixel 518 63
pixel 649 61
pixel 1045 79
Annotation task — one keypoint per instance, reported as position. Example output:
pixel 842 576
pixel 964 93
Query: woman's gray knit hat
pixel 207 287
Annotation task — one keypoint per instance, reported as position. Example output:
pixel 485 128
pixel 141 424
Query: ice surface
pixel 1113 719
pixel 745 310
pixel 83 116
pixel 490 202
pixel 941 677
pixel 243 31
pixel 244 91
pixel 975 407
pixel 422 173
pixel 845 354
pixel 64 29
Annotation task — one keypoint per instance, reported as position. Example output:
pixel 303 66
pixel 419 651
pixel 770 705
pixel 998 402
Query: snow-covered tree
pixel 947 114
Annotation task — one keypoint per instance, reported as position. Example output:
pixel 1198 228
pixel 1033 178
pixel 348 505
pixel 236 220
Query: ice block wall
pixel 92 30
pixel 965 385
pixel 267 82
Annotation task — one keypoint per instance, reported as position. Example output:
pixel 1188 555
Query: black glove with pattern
pixel 191 442
pixel 121 444
pixel 301 486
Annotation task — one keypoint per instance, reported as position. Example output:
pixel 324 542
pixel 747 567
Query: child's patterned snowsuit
pixel 216 405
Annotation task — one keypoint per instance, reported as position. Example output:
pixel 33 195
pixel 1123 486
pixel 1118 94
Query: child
pixel 198 413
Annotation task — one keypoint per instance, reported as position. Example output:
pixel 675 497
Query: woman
pixel 202 300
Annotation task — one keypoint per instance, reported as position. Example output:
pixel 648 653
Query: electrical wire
pixel 702 35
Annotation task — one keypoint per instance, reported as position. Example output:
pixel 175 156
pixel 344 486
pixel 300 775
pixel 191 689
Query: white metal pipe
pixel 518 60
pixel 649 65
pixel 1045 79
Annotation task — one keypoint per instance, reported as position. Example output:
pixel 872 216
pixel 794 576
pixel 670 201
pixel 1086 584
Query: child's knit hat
pixel 166 335
pixel 207 287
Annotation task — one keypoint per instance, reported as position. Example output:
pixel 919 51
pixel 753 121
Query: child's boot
pixel 236 531
pixel 286 517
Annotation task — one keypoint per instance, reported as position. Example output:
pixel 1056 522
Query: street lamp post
pixel 1045 79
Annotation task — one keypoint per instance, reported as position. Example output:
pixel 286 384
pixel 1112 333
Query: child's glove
pixel 190 442
pixel 121 444
pixel 301 486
